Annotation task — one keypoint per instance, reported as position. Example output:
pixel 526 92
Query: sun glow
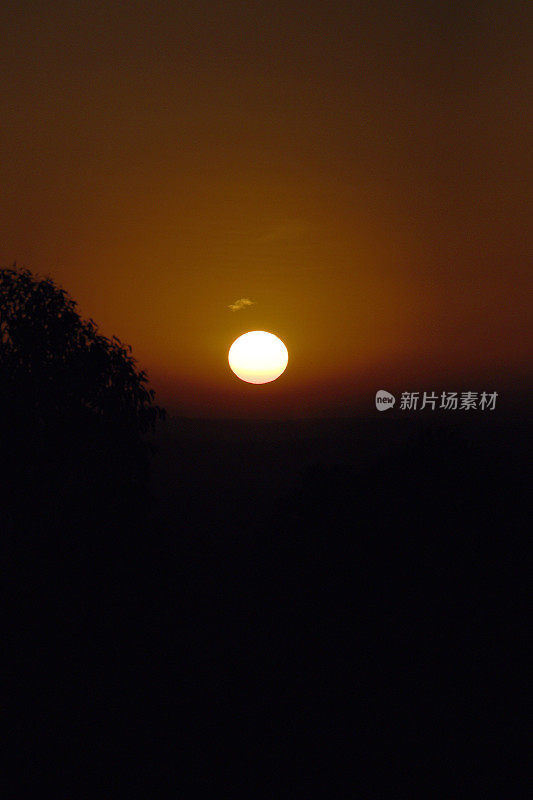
pixel 258 357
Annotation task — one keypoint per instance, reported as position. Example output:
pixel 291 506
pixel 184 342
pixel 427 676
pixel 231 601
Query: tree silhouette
pixel 73 409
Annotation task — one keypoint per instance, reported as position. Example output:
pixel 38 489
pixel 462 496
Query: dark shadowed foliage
pixel 73 411
pixel 79 548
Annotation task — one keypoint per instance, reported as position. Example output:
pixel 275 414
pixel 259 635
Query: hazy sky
pixel 360 170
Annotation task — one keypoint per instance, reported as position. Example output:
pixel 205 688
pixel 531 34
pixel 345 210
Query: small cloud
pixel 238 305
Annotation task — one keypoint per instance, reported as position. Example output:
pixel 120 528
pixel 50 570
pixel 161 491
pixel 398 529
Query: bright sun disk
pixel 258 357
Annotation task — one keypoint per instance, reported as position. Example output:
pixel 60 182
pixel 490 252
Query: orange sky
pixel 361 171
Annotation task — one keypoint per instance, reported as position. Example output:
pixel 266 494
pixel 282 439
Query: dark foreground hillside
pixel 299 594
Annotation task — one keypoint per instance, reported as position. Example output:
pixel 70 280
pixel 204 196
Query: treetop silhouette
pixel 73 404
pixel 48 350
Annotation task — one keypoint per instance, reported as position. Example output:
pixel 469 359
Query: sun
pixel 258 357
